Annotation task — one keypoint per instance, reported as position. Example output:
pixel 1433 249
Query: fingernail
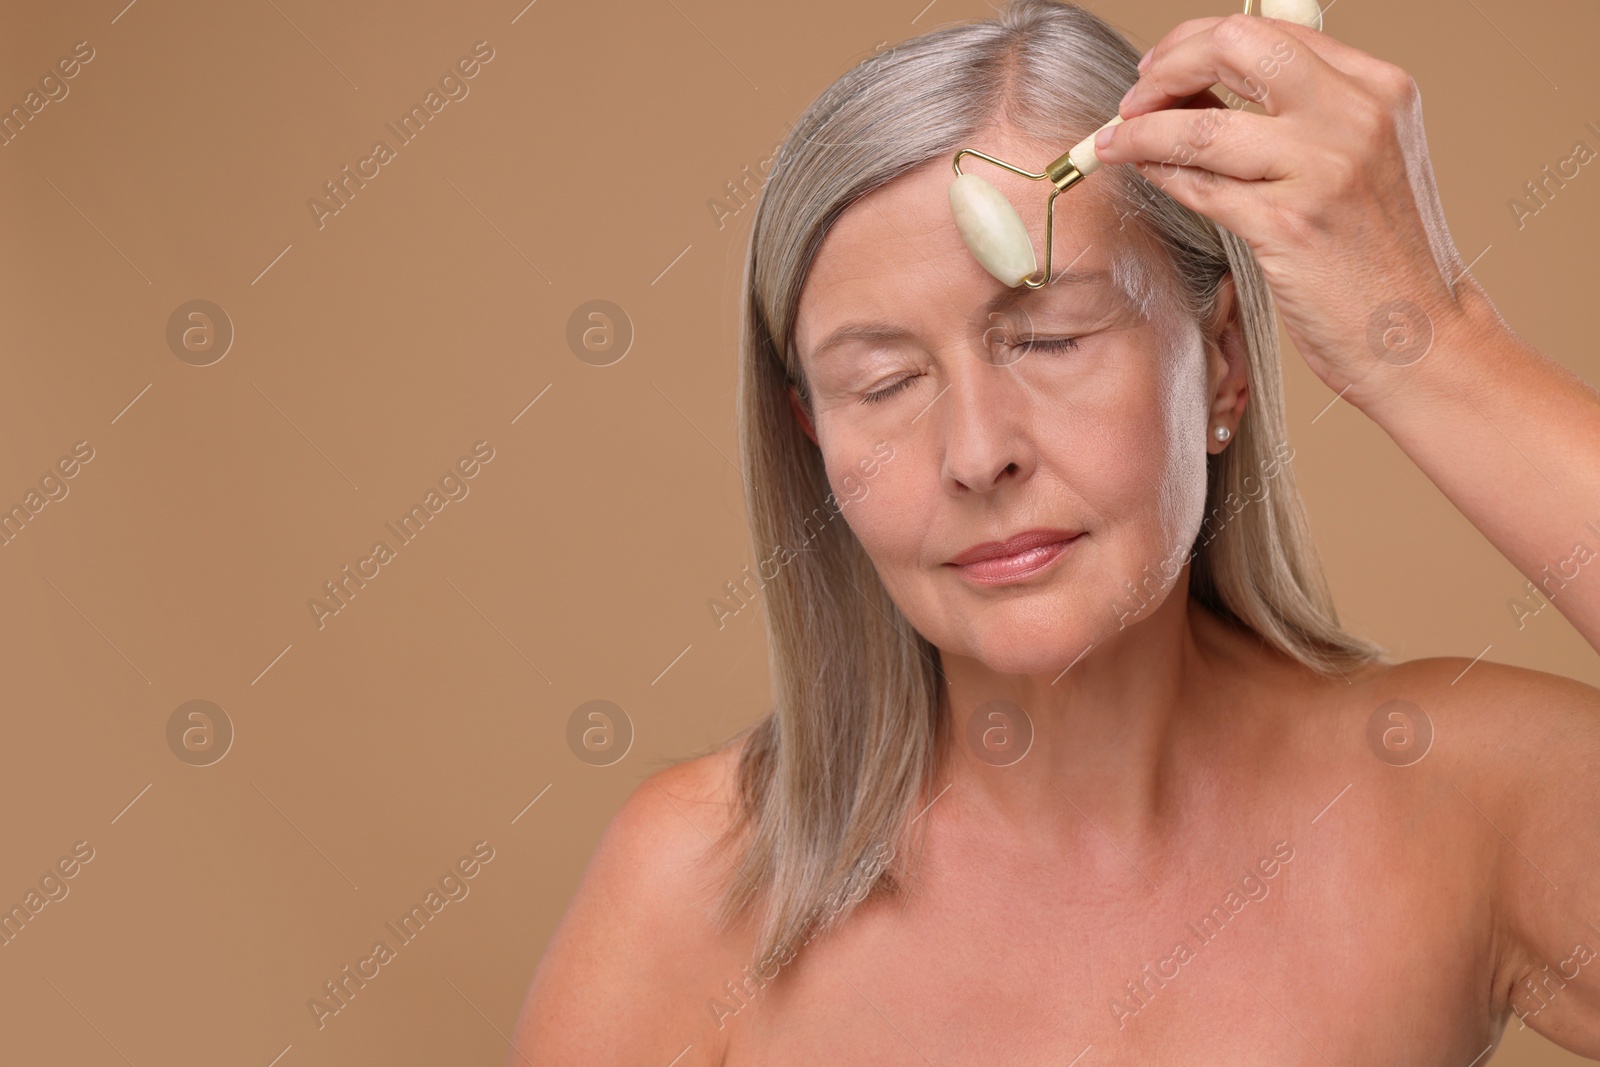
pixel 1144 60
pixel 1127 96
pixel 1103 138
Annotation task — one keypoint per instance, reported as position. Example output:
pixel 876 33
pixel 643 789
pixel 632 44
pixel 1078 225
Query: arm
pixel 1535 781
pixel 627 974
pixel 1333 189
pixel 1512 439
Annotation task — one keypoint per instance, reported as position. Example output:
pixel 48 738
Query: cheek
pixel 885 511
pixel 1134 452
pixel 1185 414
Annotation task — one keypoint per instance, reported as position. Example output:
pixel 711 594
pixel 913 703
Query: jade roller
pixel 991 227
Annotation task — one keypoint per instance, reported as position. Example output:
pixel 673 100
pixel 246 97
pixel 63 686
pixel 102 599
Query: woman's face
pixel 1104 437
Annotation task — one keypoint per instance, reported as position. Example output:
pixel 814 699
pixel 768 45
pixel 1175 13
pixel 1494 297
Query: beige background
pixel 369 354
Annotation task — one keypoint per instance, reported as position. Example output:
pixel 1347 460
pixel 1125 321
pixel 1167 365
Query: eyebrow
pixel 1001 301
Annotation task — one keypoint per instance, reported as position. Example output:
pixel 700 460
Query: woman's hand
pixel 1333 191
pixel 1332 188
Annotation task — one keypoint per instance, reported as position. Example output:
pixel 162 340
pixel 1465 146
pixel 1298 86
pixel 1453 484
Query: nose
pixel 984 426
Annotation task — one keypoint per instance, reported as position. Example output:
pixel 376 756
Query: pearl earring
pixel 1222 433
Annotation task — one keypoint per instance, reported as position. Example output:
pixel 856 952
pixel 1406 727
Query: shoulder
pixel 627 972
pixel 671 821
pixel 1490 720
pixel 1508 738
pixel 1522 748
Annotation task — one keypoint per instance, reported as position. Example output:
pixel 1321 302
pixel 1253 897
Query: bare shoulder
pixel 626 973
pixel 1522 748
pixel 1494 717
pixel 1501 734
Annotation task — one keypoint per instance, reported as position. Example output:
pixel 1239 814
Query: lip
pixel 1016 557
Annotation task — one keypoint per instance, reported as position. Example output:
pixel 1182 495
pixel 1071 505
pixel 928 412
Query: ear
pixel 1227 368
pixel 801 416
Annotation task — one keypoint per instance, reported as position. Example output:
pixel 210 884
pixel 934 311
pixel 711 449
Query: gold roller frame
pixel 1062 173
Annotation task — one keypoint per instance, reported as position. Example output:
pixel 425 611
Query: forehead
pixel 896 253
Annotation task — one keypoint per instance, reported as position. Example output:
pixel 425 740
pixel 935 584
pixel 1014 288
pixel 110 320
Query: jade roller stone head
pixel 989 225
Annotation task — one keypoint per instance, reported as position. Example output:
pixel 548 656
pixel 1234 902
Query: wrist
pixel 1420 357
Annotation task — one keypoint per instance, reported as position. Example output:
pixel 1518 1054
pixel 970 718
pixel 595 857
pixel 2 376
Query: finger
pixel 1346 59
pixel 1231 142
pixel 1182 31
pixel 1342 57
pixel 1251 55
pixel 1225 200
pixel 1244 54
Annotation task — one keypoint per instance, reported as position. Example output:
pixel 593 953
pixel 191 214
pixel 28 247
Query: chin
pixel 1030 649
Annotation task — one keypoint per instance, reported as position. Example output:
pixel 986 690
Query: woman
pixel 1070 758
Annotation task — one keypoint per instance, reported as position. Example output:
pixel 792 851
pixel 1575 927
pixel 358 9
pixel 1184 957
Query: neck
pixel 1109 733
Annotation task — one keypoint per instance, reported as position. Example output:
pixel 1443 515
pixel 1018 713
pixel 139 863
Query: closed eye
pixel 1052 344
pixel 887 391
